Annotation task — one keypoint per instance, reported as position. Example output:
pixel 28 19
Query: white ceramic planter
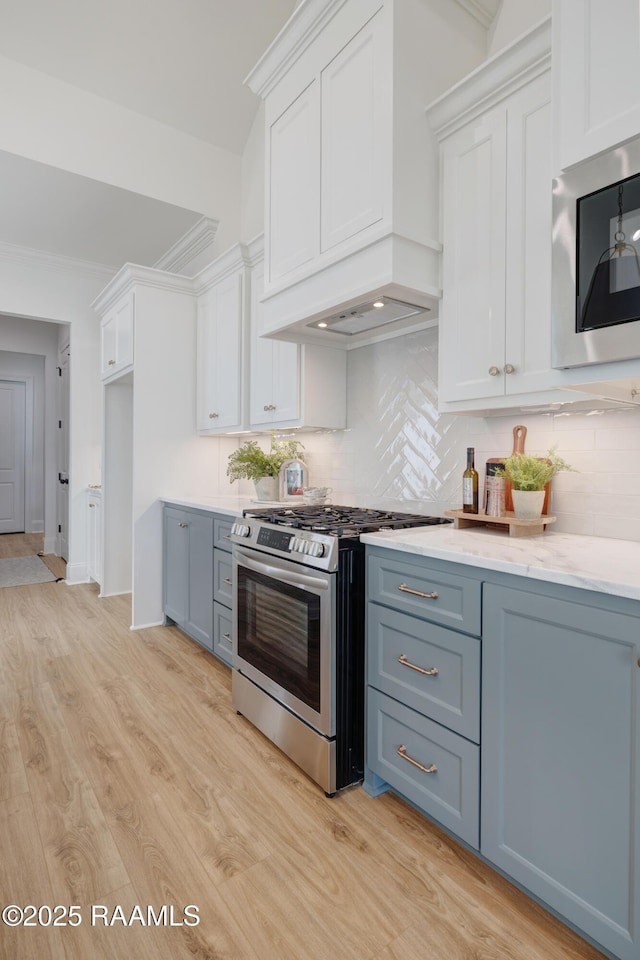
pixel 527 504
pixel 267 488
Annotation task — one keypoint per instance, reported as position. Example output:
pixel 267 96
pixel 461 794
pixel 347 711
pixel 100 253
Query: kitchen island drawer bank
pixel 555 804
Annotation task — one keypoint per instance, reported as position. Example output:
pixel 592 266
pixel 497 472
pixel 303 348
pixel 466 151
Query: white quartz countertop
pixel 229 506
pixel 593 563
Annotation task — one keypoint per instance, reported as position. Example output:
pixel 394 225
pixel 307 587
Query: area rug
pixel 17 571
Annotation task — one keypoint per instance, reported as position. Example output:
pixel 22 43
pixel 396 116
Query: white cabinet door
pixel 219 375
pixel 116 333
pixel 473 305
pixel 596 56
pixel 528 232
pixel 495 326
pixel 353 108
pixel 293 196
pixel 274 369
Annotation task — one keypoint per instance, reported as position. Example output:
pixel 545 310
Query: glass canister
pixel 494 491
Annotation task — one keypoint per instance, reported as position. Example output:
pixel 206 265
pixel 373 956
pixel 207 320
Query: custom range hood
pixel 369 316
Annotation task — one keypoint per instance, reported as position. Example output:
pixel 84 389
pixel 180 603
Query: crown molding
pixel 484 11
pixel 303 26
pixel 227 263
pixel 194 242
pixel 507 71
pixel 56 263
pixel 131 275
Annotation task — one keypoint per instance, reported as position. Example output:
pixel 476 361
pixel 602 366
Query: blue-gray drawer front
pixel 427 667
pixel 450 794
pixel 222 583
pixel 221 531
pixel 407 586
pixel 222 632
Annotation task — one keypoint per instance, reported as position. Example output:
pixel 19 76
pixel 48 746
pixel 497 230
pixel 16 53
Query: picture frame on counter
pixel 294 477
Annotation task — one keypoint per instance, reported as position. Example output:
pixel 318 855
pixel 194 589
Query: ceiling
pixel 181 62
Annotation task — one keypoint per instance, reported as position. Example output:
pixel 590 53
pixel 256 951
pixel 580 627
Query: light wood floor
pixel 127 778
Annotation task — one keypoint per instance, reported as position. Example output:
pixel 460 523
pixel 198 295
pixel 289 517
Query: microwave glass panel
pixel 608 256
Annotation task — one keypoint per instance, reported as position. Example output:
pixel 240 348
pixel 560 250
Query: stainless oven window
pixel 278 633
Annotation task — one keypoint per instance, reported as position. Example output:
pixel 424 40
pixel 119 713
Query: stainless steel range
pixel 298 632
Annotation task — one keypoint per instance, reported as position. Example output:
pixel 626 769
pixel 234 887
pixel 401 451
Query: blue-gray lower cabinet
pixel 222 589
pixel 188 572
pixel 560 749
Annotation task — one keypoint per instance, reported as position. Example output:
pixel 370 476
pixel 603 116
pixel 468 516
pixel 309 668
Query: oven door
pixel 283 633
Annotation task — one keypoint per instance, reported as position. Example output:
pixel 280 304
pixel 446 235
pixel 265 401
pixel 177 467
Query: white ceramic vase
pixel 267 488
pixel 527 504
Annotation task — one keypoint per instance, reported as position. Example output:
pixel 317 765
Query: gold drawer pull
pixel 416 593
pixel 402 752
pixel 431 672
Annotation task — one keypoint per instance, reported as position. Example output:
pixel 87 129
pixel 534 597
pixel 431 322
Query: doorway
pixel 12 456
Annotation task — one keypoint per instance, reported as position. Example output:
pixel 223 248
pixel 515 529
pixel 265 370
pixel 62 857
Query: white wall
pixel 34 287
pixel 514 18
pixel 56 123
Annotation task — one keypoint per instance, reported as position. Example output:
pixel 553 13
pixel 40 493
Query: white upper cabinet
pixel 290 384
pixel 353 125
pixel 219 407
pixel 350 212
pixel 596 56
pixel 495 316
pixel 116 338
pixel 294 195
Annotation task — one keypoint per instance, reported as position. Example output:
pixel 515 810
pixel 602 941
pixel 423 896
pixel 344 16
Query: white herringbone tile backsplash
pixel 398 451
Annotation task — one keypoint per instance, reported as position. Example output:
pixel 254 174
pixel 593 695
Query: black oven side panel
pixel 350 686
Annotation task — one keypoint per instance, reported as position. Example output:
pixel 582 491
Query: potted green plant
pixel 251 462
pixel 529 476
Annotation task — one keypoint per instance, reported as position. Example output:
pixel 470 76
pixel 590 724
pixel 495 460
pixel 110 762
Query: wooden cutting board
pixel 519 437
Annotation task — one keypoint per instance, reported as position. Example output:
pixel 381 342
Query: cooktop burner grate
pixel 342 521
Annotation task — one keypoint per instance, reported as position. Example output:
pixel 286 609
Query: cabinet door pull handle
pixel 230 582
pixel 402 752
pixel 431 672
pixel 416 593
pixel 509 368
pixel 226 636
pixel 213 416
pixel 111 363
pixel 226 536
pixel 91 506
pixel 493 371
pixel 181 524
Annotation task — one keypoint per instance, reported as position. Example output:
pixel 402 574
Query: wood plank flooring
pixel 126 778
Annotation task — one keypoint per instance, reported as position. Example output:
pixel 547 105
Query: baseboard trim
pixel 76 573
pixel 143 626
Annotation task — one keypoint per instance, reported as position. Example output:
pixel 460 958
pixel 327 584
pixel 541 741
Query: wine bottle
pixel 470 485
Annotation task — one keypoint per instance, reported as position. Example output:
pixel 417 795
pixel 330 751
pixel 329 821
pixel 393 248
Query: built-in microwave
pixel 596 260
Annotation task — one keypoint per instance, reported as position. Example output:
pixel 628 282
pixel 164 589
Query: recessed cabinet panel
pixel 472 326
pixel 353 98
pixel 294 185
pixel 116 338
pixel 528 278
pixel 219 356
pixel 274 387
pixel 595 41
pixel 560 735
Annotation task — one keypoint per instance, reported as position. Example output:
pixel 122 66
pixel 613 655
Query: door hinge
pixel 59 369
pixel 59 528
pixel 59 424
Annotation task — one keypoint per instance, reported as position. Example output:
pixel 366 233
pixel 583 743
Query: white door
pixel 12 455
pixel 62 539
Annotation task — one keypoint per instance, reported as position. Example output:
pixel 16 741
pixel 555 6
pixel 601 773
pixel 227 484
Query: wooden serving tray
pixel 517 528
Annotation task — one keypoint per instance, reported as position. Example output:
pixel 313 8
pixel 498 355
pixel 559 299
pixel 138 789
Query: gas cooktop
pixel 341 521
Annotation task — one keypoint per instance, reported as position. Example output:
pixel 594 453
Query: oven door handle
pixel 286 576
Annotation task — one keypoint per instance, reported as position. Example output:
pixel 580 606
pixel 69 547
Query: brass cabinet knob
pixel 509 368
pixel 494 371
